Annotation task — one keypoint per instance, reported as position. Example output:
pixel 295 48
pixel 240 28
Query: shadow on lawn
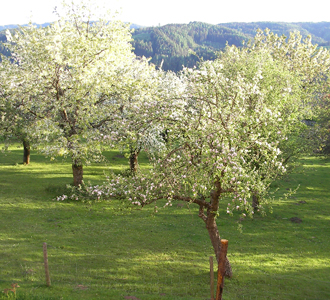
pixel 102 249
pixel 252 284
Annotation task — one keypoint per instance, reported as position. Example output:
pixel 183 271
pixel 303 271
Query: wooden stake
pixel 212 277
pixel 221 268
pixel 46 264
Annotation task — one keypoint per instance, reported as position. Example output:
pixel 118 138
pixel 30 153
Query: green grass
pixel 97 251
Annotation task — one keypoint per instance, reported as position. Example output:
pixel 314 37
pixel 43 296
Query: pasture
pixel 101 250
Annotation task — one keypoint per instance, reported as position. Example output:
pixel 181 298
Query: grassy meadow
pixel 101 251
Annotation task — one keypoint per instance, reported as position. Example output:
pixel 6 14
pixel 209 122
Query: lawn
pixel 102 251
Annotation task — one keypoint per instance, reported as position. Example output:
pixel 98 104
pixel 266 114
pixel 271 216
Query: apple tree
pixel 226 133
pixel 222 144
pixel 73 77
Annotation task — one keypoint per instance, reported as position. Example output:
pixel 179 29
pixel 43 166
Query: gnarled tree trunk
pixel 211 225
pixel 26 155
pixel 212 229
pixel 77 170
pixel 209 218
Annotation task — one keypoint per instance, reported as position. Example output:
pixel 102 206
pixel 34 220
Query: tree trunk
pixel 77 170
pixel 133 161
pixel 211 224
pixel 26 155
pixel 255 202
pixel 212 229
pixel 209 218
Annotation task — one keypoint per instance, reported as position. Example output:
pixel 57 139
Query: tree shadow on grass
pixel 136 254
pixel 305 283
pixel 140 255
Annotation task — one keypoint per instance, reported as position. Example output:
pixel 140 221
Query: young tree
pixel 226 135
pixel 221 139
pixel 71 77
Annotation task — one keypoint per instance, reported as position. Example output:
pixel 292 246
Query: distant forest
pixel 176 45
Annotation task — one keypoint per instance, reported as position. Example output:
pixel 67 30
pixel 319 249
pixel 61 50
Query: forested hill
pixel 320 32
pixel 173 43
pixel 185 44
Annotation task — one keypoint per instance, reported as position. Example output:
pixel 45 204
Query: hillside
pixel 174 43
pixel 320 32
pixel 177 45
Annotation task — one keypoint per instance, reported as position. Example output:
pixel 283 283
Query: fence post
pixel 212 278
pixel 46 264
pixel 221 268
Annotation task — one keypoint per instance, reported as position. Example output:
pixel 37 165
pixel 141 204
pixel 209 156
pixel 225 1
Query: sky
pixel 154 13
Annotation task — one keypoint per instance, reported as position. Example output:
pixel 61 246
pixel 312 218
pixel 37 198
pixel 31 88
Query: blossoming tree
pixel 224 138
pixel 227 130
pixel 73 77
pixel 14 124
pixel 146 120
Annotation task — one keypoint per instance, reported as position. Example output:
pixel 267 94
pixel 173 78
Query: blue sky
pixel 153 13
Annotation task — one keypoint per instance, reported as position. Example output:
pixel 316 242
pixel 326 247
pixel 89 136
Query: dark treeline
pixel 176 45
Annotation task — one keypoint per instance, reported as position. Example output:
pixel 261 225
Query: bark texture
pixel 26 155
pixel 211 225
pixel 77 171
pixel 215 238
